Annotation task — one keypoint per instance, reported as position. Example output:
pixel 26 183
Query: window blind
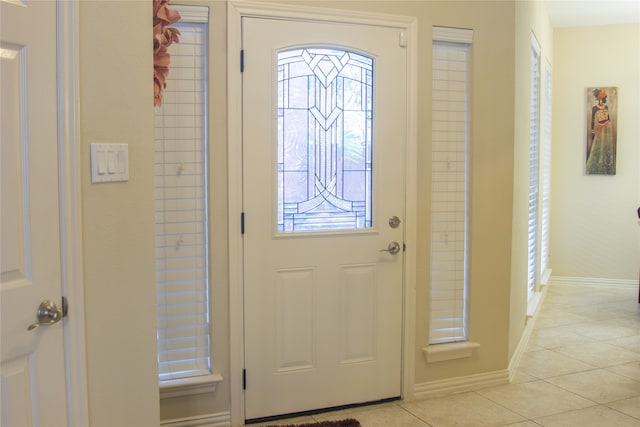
pixel 449 184
pixel 534 168
pixel 546 174
pixel 182 273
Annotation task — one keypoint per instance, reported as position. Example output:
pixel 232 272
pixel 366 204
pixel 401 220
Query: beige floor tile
pixel 628 305
pixel 629 370
pixel 627 406
pixel 599 385
pixel 557 320
pixel 557 337
pixel 597 416
pixel 599 354
pixel 521 377
pixel 586 299
pixel 388 416
pixel 549 306
pixel 630 321
pixel 597 312
pixel 460 410
pixel 602 331
pixel 629 343
pixel 548 363
pixel 535 399
pixel 533 347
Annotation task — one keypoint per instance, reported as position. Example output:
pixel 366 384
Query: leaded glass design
pixel 325 119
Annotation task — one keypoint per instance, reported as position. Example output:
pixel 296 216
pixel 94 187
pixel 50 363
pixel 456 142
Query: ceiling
pixel 579 13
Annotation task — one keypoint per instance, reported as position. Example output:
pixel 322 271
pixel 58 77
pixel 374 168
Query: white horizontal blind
pixel 546 174
pixel 534 168
pixel 449 188
pixel 182 274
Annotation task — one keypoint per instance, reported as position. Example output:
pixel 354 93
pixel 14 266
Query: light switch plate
pixel 109 162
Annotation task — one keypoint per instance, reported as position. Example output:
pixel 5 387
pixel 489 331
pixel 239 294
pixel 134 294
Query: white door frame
pixel 235 11
pixel 69 193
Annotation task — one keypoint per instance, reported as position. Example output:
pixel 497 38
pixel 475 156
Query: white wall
pixel 594 225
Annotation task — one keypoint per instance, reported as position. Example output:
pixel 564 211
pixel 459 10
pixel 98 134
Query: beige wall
pixel 531 19
pixel 594 227
pixel 118 233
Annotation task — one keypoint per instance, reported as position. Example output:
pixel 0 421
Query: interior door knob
pixel 393 248
pixel 49 313
pixel 394 222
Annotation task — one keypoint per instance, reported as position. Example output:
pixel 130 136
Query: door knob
pixel 49 313
pixel 394 222
pixel 393 248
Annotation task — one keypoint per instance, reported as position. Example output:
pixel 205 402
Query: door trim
pixel 235 11
pixel 71 210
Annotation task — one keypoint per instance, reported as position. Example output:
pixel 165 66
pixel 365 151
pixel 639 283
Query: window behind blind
pixel 546 173
pixel 534 168
pixel 182 271
pixel 450 184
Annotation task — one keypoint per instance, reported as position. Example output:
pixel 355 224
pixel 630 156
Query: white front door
pixel 324 140
pixel 32 361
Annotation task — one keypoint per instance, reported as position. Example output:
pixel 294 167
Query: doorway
pixel 404 30
pixel 324 123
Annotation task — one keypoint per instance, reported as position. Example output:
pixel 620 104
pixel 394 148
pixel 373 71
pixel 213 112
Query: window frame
pixel 458 344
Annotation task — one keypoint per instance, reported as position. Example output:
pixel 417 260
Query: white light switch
pixel 121 162
pixel 109 162
pixel 111 155
pixel 102 163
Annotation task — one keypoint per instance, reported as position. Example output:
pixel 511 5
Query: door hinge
pixel 242 60
pixel 244 379
pixel 242 223
pixel 402 39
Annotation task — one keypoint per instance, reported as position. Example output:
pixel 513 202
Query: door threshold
pixel 319 411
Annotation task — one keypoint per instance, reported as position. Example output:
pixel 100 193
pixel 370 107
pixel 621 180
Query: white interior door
pixel 32 361
pixel 324 139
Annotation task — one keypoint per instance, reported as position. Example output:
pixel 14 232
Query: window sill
pixel 449 351
pixel 533 303
pixel 189 386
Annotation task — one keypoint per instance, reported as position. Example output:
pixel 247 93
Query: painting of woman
pixel 601 131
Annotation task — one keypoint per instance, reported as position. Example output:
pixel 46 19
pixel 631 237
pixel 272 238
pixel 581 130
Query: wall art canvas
pixel 602 131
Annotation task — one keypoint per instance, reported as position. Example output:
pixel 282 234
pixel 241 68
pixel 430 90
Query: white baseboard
pixel 522 346
pixel 208 420
pixel 593 281
pixel 460 384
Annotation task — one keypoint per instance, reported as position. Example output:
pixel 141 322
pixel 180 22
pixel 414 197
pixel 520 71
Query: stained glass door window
pixel 325 121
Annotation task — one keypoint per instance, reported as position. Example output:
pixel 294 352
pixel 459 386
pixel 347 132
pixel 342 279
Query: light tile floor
pixel 581 368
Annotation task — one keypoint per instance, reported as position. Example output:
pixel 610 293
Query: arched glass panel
pixel 325 118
